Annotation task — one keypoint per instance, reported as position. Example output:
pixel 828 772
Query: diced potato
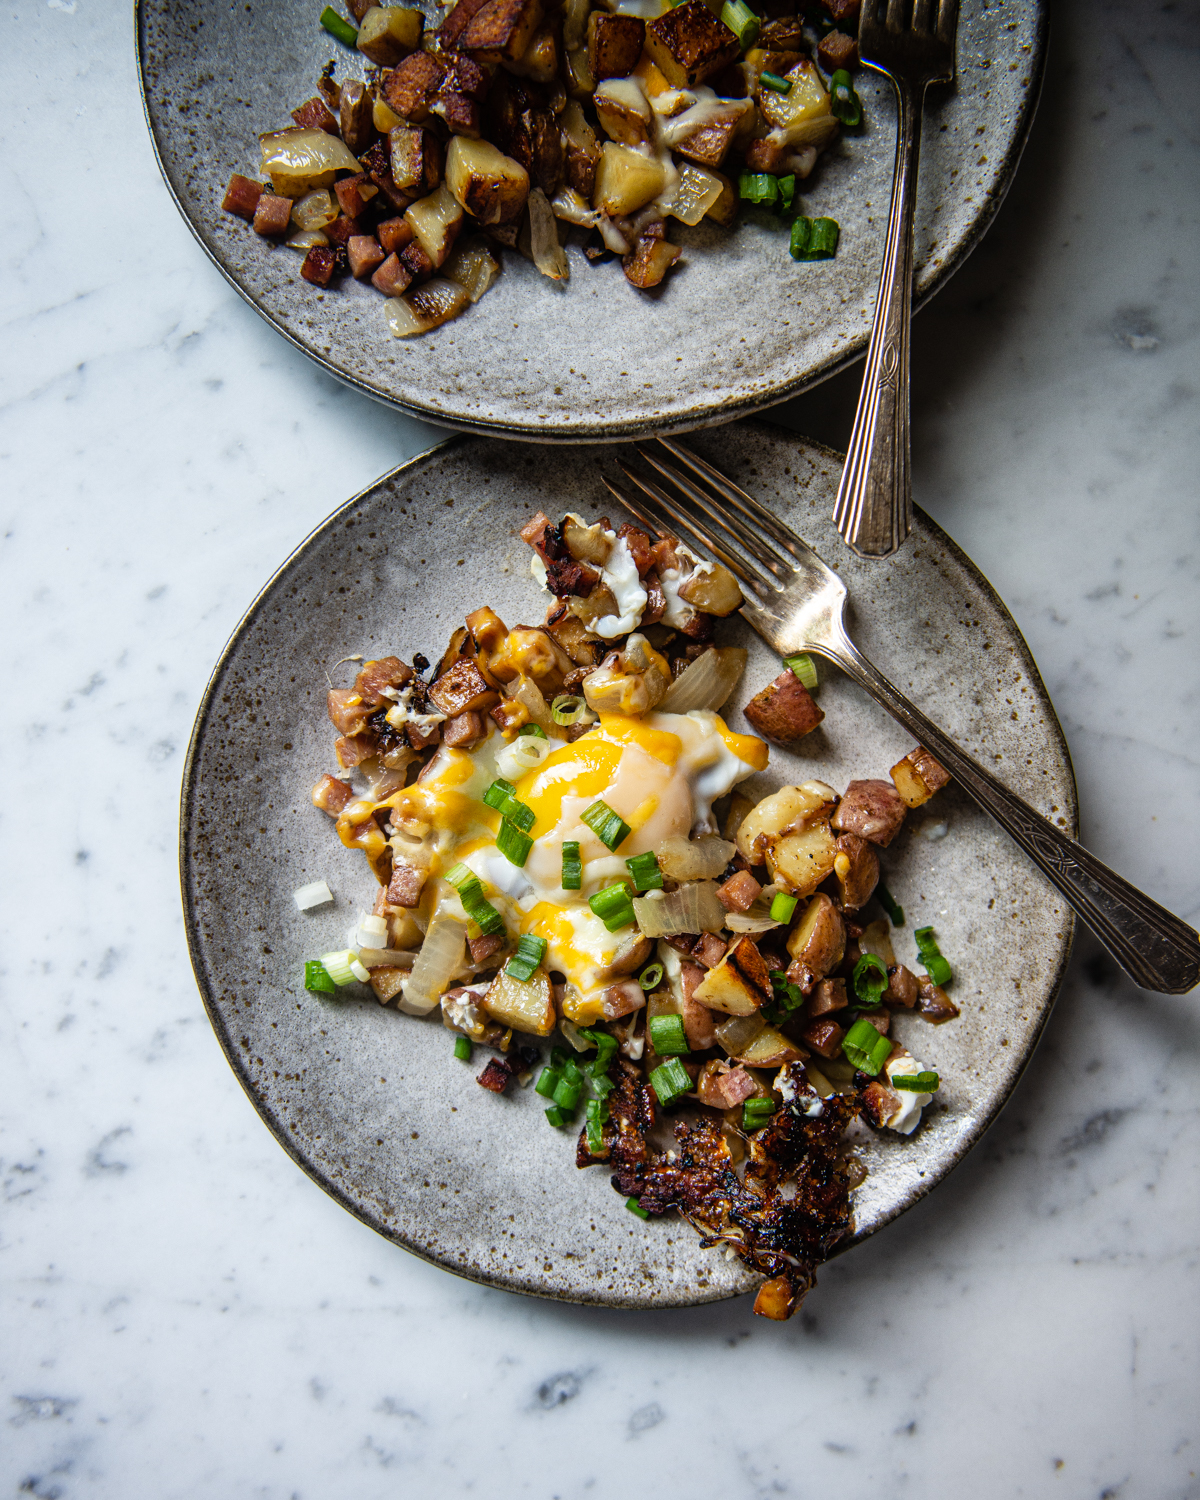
pixel 582 149
pixel 776 1299
pixel 502 30
pixel 356 115
pixel 716 591
pixel 614 44
pixel 740 983
pixel 435 223
pixel 918 776
pixel 525 1006
pixel 770 1049
pixel 698 190
pixel 805 100
pixel 800 861
pixel 709 142
pixel 856 866
pixel 624 111
pixel 539 61
pixel 474 267
pixel 492 187
pixel 387 33
pixel 463 688
pixel 416 158
pixel 626 180
pixel 790 808
pixel 573 637
pixel 784 711
pixel 532 651
pixel 725 210
pixel 650 261
pixel 818 941
pixel 689 44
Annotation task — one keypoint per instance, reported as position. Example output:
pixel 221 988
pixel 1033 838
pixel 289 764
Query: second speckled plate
pixel 372 1103
pixel 737 327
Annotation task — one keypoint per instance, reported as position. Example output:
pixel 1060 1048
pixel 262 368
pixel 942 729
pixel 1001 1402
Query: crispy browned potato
pixel 872 809
pixel 489 185
pixel 462 689
pixel 817 942
pixel 614 44
pixel 582 150
pixel 784 711
pixel 710 144
pixel 740 984
pixel 856 866
pixel 416 158
pixel 650 261
pixel 690 44
pixel 502 30
pixel 918 776
pixel 388 33
pixel 356 120
pixel 410 88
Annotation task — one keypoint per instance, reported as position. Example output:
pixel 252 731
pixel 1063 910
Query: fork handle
pixel 1156 949
pixel 873 510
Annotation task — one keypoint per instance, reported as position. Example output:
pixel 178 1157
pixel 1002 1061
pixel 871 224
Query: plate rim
pixel 266 1114
pixel 722 411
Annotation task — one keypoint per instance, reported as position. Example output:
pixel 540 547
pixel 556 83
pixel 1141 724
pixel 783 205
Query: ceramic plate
pixel 372 1103
pixel 738 326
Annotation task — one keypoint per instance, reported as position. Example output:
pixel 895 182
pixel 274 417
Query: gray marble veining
pixel 185 1315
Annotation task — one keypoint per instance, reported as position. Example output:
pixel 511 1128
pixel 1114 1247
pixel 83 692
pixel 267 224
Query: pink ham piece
pixel 725 1090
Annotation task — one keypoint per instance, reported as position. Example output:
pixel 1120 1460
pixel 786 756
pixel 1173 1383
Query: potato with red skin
pixel 879 1102
pixel 739 892
pixel 856 866
pixel 872 809
pixel 332 795
pixel 823 1036
pixel 918 776
pixel 784 711
pixel 933 1004
pixel 622 999
pixel 817 943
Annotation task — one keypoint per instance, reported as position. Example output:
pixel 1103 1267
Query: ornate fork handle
pixel 873 509
pixel 1150 943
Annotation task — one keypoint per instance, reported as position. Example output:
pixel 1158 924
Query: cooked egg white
pixel 661 773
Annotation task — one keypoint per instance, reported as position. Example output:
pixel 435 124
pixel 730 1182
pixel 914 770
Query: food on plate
pixel 513 118
pixel 558 824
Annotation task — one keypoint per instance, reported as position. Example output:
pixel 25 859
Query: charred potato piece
pixel 416 158
pixel 463 688
pixel 856 866
pixel 872 809
pixel 918 776
pixel 388 33
pixel 817 943
pixel 650 261
pixel 492 187
pixel 582 150
pixel 709 144
pixel 740 984
pixel 502 30
pixel 689 44
pixel 357 121
pixel 784 711
pixel 624 111
pixel 410 89
pixel 436 221
pixel 614 44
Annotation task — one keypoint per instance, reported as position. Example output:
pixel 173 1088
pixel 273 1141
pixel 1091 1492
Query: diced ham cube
pixel 623 999
pixel 342 230
pixel 699 1023
pixel 374 676
pixel 348 713
pixel 392 278
pixel 404 888
pixel 463 730
pixel 823 1036
pixel 710 950
pixel 332 795
pixel 319 265
pixel 272 215
pixel 739 892
pixel 315 115
pixel 416 261
pixel 485 947
pixel 394 234
pixel 364 254
pixel 879 1102
pixel 241 196
pixel 829 995
pixel 725 1090
pixel 837 50
pixel 902 988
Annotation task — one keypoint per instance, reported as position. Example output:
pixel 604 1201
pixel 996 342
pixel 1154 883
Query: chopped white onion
pixel 373 924
pixel 525 753
pixel 707 683
pixel 315 893
pixel 440 958
pixel 681 858
pixel 692 908
pixel 386 958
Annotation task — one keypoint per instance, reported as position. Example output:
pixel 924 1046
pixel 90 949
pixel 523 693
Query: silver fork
pixel 873 509
pixel 797 604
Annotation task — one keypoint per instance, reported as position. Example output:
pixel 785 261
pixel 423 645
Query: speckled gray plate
pixel 372 1103
pixel 737 327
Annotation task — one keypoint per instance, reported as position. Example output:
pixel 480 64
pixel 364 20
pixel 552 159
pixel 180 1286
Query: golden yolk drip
pixel 746 747
pixel 659 743
pixel 584 769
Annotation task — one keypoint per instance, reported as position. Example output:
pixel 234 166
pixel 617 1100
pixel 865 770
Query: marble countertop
pixel 186 1314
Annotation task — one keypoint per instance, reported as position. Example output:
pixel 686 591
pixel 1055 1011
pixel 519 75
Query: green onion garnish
pixel 337 966
pixel 742 21
pixel 890 905
pixel 870 979
pixel 790 995
pixel 844 103
pixel 804 668
pixel 670 1081
pixel 548 1081
pixel 650 978
pixel 470 892
pixel 756 1113
pixel 572 870
pixel 773 81
pixel 605 1044
pixel 758 187
pixel 556 1116
pixel 814 239
pixel 566 1094
pixel 865 1048
pixel 501 796
pixel 787 191
pixel 931 955
pixel 530 952
pixel 316 978
pixel 608 826
pixel 782 906
pixel 568 708
pixel 917 1083
pixel 646 874
pixel 667 1035
pixel 337 27
pixel 595 1136
pixel 613 906
pixel 462 1048
pixel 600 1080
pixel 635 1207
pixel 535 730
pixel 513 843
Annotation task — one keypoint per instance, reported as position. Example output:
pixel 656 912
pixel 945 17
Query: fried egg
pixel 661 773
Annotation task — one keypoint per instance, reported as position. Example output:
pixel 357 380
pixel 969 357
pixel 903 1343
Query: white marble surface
pixel 185 1314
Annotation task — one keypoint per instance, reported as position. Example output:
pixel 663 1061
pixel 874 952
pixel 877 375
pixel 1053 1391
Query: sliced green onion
pixel 650 978
pixel 742 21
pixel 337 27
pixel 758 187
pixel 596 1110
pixel 502 796
pixel 572 870
pixel 844 103
pixel 513 843
pixel 535 730
pixel 556 1116
pixel 530 952
pixel 470 892
pixel 670 1081
pixel 865 1047
pixel 613 906
pixel 870 979
pixel 917 1083
pixel 548 1081
pixel 931 956
pixel 608 826
pixel 317 978
pixel 595 1136
pixel 756 1113
pixel 635 1207
pixel 337 966
pixel 787 191
pixel 462 1048
pixel 782 906
pixel 773 81
pixel 566 1094
pixel 667 1035
pixel 814 239
pixel 804 668
pixel 890 905
pixel 568 708
pixel 605 1044
pixel 600 1080
pixel 646 874
pixel 790 995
